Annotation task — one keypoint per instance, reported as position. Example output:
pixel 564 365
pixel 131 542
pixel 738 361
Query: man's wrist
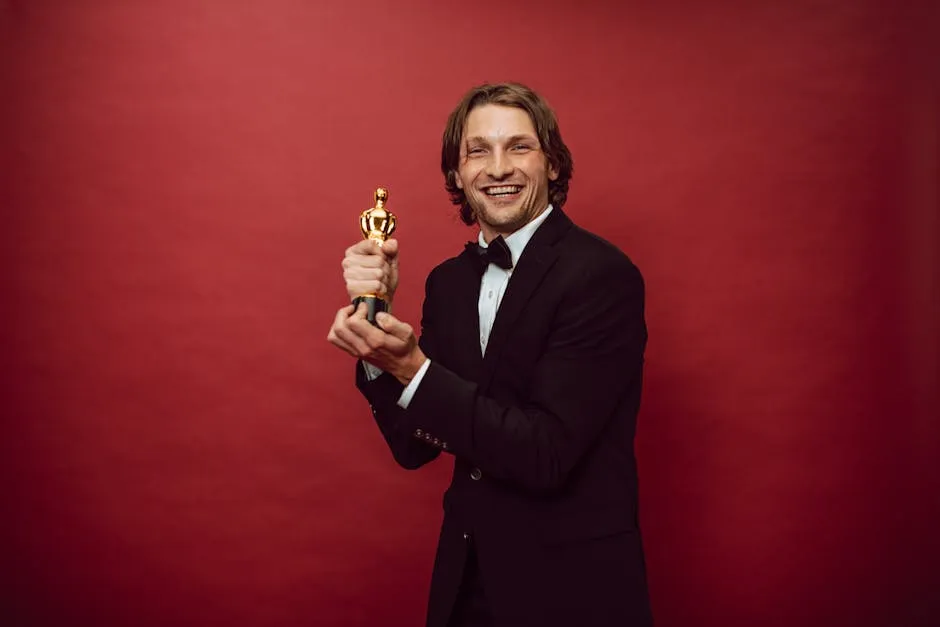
pixel 411 367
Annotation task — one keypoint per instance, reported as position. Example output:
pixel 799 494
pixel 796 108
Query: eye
pixel 521 147
pixel 475 150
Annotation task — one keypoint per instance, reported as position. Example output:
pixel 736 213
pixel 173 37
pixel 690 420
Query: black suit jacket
pixel 541 429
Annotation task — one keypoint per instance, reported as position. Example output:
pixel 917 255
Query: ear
pixel 457 180
pixel 552 172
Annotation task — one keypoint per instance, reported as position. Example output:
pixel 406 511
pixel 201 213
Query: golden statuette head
pixel 377 223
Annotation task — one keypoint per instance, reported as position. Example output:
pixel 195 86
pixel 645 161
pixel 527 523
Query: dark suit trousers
pixel 471 608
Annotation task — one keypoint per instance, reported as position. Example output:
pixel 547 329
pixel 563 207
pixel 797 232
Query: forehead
pixel 492 121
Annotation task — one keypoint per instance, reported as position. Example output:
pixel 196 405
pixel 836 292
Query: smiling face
pixel 502 169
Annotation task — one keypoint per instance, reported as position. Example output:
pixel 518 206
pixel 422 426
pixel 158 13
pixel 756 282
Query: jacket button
pixel 466 536
pixel 418 433
pixel 475 474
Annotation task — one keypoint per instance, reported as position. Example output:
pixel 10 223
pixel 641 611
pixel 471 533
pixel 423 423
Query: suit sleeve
pixel 383 394
pixel 591 362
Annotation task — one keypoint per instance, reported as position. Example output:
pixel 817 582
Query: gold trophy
pixel 377 223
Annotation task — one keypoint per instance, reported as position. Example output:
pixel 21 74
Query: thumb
pixel 390 248
pixel 392 325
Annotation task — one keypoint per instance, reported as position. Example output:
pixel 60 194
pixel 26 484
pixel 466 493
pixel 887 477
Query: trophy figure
pixel 377 223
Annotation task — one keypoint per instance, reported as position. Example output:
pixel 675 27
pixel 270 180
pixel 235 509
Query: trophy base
pixel 374 305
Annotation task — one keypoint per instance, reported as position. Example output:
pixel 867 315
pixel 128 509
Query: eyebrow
pixel 509 140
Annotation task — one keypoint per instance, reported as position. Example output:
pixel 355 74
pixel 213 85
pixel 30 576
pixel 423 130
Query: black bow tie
pixel 497 252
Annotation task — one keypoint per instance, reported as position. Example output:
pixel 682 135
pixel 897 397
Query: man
pixel 528 372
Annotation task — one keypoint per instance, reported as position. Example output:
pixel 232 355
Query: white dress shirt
pixel 492 287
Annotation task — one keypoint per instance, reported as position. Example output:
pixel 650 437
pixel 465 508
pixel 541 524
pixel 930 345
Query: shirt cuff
pixel 372 372
pixel 412 386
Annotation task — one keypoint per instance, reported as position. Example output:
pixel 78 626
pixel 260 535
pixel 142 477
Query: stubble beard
pixel 506 220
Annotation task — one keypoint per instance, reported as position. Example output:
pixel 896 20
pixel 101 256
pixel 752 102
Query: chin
pixel 500 217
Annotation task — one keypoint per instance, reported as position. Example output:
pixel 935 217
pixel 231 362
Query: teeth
pixel 504 189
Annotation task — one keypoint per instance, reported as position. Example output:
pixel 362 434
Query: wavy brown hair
pixel 546 127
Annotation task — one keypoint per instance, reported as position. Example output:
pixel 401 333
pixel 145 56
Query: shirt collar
pixel 518 240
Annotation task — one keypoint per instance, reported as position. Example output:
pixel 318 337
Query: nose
pixel 499 165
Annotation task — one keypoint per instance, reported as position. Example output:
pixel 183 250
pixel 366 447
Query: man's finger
pixel 362 310
pixel 373 337
pixel 390 248
pixel 338 342
pixel 361 288
pixel 363 261
pixel 341 315
pixel 360 273
pixel 362 327
pixel 353 333
pixel 339 321
pixel 393 326
pixel 364 247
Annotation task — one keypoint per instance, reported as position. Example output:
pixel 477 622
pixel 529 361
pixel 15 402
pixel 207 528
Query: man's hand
pixel 371 269
pixel 392 347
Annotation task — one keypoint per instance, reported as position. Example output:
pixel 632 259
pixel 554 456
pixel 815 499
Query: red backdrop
pixel 180 445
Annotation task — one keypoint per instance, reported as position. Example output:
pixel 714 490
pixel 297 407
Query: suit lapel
pixel 537 259
pixel 464 295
